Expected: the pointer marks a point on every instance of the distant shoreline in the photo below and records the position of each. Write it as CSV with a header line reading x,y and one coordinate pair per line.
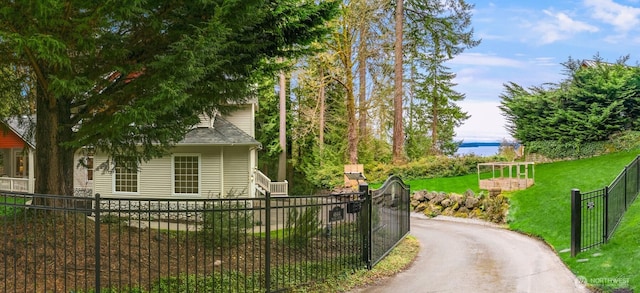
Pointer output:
x,y
479,144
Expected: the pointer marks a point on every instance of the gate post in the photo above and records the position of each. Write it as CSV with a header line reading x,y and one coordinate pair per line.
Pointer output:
x,y
365,228
267,245
576,221
97,211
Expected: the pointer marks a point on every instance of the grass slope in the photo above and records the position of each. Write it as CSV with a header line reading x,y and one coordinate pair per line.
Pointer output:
x,y
544,210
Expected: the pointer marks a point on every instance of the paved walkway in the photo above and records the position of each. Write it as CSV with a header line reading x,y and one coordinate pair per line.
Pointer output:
x,y
472,256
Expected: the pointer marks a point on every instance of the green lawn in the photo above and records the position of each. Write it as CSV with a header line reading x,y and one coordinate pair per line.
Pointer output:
x,y
545,210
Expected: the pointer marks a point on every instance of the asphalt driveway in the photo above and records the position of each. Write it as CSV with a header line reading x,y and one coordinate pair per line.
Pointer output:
x,y
469,256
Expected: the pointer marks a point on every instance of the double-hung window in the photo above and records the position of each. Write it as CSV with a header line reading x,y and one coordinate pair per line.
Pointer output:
x,y
186,174
125,176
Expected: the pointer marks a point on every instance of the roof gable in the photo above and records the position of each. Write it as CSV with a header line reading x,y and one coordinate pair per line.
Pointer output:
x,y
21,127
222,133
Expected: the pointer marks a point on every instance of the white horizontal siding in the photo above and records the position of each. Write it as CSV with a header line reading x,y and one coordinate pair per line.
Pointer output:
x,y
243,118
155,179
236,171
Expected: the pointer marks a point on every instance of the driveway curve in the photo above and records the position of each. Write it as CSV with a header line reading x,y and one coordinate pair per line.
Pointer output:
x,y
471,256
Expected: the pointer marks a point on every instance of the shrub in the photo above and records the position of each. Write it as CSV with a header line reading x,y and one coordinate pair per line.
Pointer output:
x,y
224,221
429,167
303,225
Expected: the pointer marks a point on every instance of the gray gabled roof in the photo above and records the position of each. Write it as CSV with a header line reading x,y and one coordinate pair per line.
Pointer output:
x,y
222,133
23,127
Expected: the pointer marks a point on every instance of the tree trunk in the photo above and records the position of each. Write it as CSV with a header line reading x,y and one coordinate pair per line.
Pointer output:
x,y
282,161
53,161
362,76
398,133
435,150
321,97
352,134
435,110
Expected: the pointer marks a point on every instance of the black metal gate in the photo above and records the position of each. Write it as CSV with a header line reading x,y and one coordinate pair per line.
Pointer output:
x,y
387,213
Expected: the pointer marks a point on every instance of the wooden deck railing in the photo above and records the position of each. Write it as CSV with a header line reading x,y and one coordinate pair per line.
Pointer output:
x,y
276,188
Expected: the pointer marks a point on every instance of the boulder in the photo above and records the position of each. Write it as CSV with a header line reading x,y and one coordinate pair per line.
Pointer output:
x,y
420,207
459,198
430,195
471,202
435,207
469,193
419,195
475,213
415,203
447,202
448,211
440,196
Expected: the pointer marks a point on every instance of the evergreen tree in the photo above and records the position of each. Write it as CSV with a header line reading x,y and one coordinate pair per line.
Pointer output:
x,y
130,78
436,32
596,100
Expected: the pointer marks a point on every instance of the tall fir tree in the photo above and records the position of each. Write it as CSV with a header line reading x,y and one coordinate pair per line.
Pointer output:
x,y
131,77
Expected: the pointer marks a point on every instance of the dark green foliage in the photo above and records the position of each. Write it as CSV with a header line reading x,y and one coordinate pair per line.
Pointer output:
x,y
225,223
562,150
436,31
322,166
430,167
596,101
130,78
303,225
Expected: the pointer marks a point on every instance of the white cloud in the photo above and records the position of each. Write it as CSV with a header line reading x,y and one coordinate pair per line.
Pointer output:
x,y
622,17
485,124
545,61
560,26
485,60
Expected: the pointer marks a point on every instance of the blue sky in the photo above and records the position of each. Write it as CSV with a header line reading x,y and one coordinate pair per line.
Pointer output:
x,y
525,42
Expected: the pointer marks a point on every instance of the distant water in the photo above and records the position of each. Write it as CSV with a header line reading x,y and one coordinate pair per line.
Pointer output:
x,y
483,151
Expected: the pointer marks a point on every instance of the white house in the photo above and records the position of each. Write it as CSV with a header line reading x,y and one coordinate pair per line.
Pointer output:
x,y
218,157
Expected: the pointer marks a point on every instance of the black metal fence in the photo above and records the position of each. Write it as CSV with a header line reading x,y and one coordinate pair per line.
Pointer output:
x,y
595,215
74,244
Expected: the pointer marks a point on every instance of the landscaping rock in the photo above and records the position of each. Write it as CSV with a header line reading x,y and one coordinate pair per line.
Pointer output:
x,y
415,203
469,193
459,198
419,195
440,196
430,195
446,202
435,207
471,202
421,207
476,214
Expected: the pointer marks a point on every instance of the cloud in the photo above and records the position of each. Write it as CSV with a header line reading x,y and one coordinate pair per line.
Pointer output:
x,y
486,60
560,26
623,18
545,61
485,124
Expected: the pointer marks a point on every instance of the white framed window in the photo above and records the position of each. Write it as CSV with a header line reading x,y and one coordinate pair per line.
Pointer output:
x,y
186,174
125,176
20,165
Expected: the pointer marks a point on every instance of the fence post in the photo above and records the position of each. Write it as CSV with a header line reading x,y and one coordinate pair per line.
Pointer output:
x,y
576,221
97,243
626,173
267,246
606,215
366,224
